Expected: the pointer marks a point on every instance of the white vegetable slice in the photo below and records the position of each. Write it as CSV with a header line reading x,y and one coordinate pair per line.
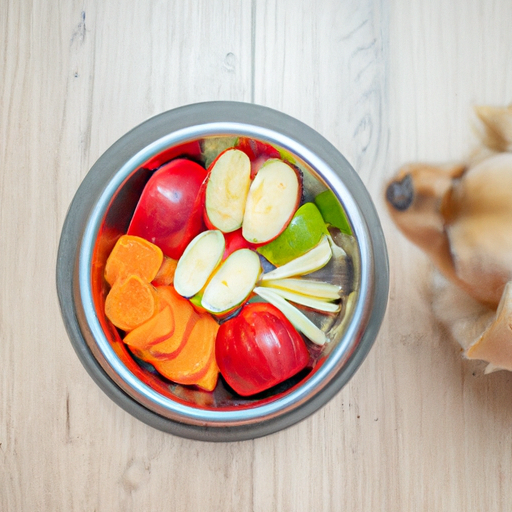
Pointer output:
x,y
300,321
272,200
233,282
197,263
318,289
337,251
310,302
227,189
313,260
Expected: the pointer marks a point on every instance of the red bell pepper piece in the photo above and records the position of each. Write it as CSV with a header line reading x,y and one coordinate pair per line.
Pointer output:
x,y
258,349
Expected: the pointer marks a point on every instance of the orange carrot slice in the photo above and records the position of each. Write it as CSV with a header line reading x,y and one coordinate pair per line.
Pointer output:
x,y
193,361
168,295
130,302
185,319
133,255
165,274
209,381
156,329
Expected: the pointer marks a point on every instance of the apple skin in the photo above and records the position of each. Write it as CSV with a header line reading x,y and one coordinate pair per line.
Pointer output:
x,y
258,349
206,219
187,150
303,232
293,210
236,241
170,210
257,151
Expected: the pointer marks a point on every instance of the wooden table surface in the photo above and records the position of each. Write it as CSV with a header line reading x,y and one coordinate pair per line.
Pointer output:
x,y
417,428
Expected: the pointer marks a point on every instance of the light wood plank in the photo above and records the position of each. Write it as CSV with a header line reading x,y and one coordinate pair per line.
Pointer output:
x,y
75,77
447,432
329,72
417,428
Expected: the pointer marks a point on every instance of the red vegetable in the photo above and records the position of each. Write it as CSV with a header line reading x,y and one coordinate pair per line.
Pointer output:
x,y
258,349
170,210
188,149
234,242
257,151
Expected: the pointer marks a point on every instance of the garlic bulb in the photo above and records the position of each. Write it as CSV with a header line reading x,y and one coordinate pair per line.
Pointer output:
x,y
461,216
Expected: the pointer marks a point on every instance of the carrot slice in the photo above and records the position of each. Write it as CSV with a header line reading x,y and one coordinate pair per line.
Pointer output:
x,y
185,317
168,295
165,274
209,381
130,302
133,255
193,361
156,329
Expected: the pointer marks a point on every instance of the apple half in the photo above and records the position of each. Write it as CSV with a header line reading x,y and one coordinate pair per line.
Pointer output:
x,y
257,151
232,283
197,263
303,232
273,198
229,179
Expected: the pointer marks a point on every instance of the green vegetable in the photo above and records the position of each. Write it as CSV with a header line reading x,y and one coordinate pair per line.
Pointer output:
x,y
332,211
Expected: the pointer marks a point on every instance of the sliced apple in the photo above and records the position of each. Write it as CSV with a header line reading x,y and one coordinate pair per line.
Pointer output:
x,y
332,211
257,151
337,251
311,287
198,262
302,234
313,260
226,191
273,198
300,321
233,282
305,300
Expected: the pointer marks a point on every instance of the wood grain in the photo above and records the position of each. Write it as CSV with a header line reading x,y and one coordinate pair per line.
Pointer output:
x,y
417,428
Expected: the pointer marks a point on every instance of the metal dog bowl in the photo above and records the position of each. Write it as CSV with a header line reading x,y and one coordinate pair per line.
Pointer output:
x,y
100,213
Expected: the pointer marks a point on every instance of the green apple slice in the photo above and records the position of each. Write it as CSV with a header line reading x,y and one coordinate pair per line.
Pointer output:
x,y
313,260
302,234
226,190
273,198
310,302
332,211
313,288
200,259
233,282
300,321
